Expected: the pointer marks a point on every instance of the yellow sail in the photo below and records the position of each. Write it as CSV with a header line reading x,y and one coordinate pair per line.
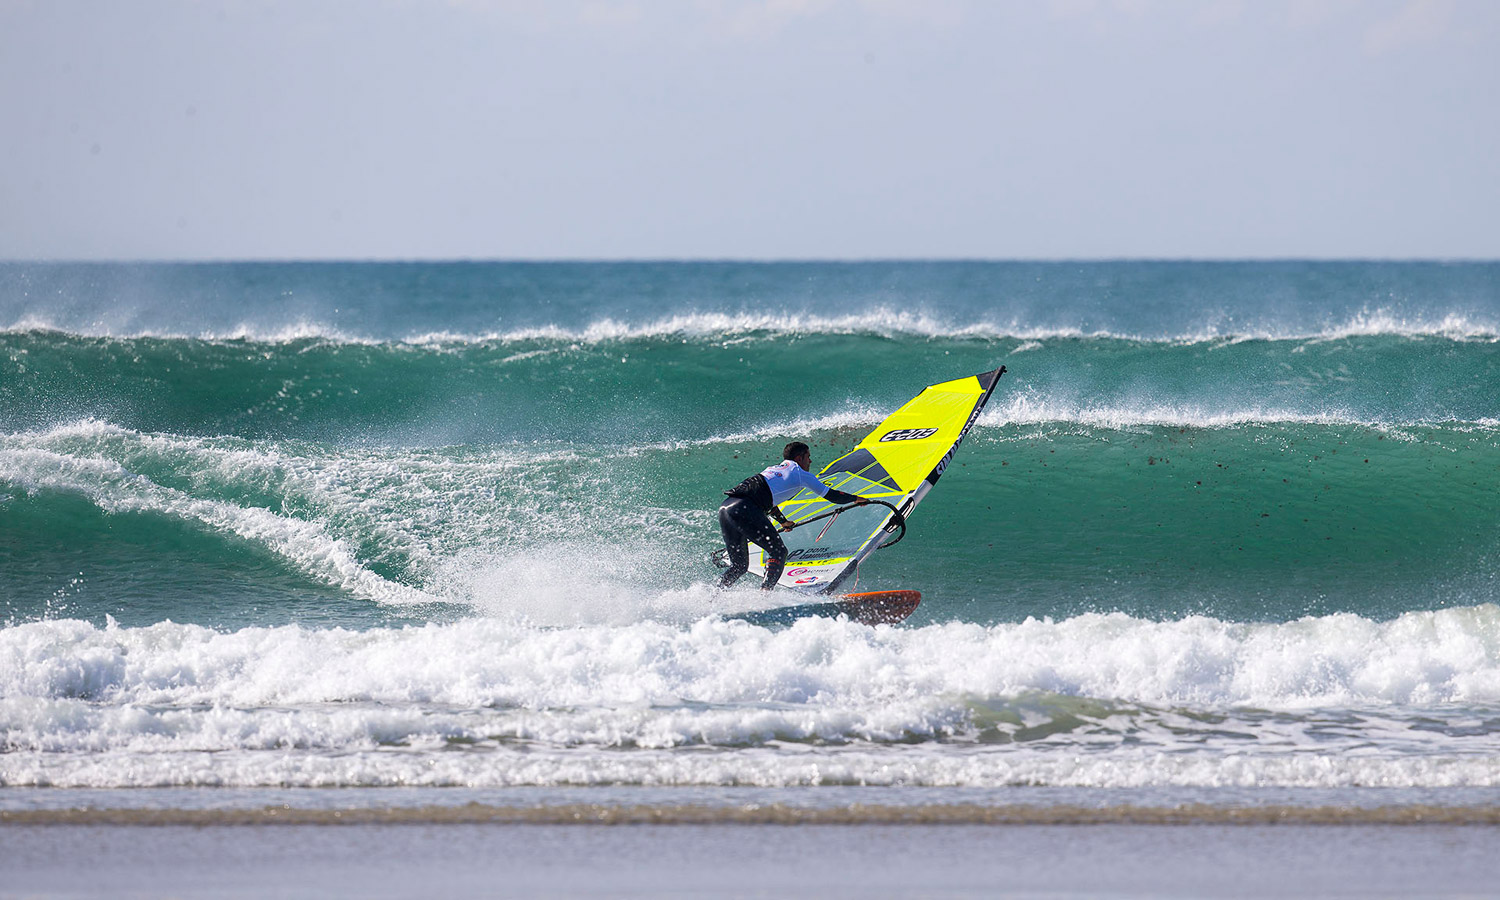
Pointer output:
x,y
898,463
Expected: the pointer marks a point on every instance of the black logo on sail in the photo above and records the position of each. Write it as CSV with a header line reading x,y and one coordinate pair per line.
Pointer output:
x,y
908,434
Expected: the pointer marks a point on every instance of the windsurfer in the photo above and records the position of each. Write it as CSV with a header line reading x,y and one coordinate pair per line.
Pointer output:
x,y
746,515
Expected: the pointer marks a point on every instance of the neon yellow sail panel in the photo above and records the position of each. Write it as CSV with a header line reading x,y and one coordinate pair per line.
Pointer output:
x,y
898,463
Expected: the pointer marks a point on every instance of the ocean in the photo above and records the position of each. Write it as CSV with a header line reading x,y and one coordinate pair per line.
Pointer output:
x,y
1226,538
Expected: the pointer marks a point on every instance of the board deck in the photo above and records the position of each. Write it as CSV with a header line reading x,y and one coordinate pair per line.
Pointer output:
x,y
869,608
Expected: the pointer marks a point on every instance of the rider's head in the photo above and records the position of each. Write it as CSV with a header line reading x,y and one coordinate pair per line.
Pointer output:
x,y
798,452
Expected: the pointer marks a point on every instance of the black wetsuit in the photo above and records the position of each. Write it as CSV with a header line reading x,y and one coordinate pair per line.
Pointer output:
x,y
744,517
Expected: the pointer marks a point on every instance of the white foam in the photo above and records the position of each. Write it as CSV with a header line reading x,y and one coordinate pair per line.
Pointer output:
x,y
282,333
1453,326
1028,407
735,327
1097,700
282,765
856,418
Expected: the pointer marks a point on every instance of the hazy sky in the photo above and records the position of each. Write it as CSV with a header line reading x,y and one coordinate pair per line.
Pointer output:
x,y
168,129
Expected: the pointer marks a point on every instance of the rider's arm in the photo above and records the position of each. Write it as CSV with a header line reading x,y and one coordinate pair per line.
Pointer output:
x,y
808,481
840,498
832,495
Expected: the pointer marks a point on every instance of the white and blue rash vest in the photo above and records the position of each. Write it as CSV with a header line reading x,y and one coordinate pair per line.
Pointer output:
x,y
777,484
786,478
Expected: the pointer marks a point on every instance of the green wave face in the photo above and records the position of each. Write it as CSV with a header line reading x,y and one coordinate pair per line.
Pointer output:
x,y
1248,442
1246,522
618,391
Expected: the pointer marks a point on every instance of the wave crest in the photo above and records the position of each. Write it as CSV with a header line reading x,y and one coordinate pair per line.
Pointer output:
x,y
879,321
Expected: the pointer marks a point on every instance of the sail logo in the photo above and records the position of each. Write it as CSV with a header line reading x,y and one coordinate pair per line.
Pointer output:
x,y
908,434
811,553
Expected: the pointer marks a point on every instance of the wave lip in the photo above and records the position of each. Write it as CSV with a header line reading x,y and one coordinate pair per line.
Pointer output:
x,y
29,463
298,331
881,321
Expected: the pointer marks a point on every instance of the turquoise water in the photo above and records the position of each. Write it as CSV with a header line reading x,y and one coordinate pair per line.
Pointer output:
x,y
449,524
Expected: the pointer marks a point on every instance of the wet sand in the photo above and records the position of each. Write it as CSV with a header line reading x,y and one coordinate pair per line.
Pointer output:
x,y
506,859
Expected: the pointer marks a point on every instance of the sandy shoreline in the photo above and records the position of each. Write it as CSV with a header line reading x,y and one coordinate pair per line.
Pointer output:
x,y
828,843
747,860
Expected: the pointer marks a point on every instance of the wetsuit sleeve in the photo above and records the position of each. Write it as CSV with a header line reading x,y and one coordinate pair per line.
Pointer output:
x,y
840,498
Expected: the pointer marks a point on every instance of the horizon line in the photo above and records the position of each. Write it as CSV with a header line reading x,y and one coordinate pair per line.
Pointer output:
x,y
725,260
